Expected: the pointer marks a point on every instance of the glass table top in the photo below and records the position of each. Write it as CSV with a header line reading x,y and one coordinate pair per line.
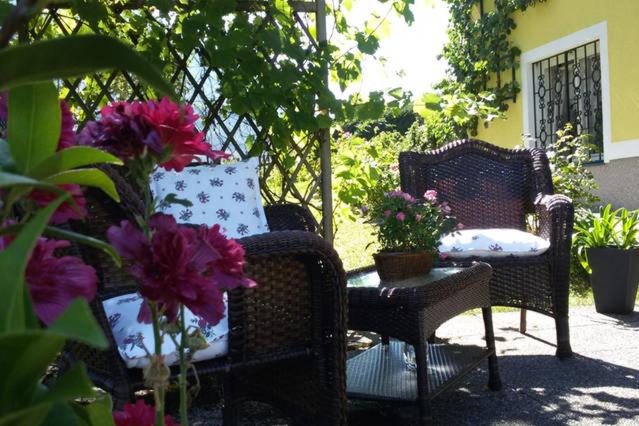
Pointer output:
x,y
370,279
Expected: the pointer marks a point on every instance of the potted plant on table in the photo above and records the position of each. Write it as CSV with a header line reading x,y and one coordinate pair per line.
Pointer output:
x,y
608,249
409,231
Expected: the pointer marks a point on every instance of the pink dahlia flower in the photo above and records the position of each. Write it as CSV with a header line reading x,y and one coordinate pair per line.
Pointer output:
x,y
162,129
460,226
387,213
139,414
54,282
181,264
177,131
430,195
66,211
400,216
418,217
445,208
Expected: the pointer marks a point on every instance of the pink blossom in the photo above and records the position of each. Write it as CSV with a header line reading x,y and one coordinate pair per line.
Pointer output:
x,y
400,216
162,129
418,217
66,211
176,128
395,193
54,282
408,198
394,167
67,134
139,414
445,207
443,256
430,195
181,265
460,226
387,213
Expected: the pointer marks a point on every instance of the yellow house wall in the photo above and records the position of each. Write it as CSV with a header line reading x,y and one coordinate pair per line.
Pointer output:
x,y
555,19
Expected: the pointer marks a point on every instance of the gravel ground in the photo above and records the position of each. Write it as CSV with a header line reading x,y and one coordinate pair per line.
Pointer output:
x,y
600,385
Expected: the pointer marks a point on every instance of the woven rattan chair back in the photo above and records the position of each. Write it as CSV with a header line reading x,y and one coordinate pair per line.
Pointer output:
x,y
485,186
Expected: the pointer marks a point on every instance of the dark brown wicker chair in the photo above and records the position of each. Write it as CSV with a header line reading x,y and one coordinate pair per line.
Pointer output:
x,y
287,339
491,187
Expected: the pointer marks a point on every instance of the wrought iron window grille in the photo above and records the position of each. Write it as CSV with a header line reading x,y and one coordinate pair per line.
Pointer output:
x,y
567,89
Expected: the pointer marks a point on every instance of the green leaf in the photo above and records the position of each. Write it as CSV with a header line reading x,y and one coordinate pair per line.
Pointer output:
x,y
74,383
6,160
5,10
32,415
77,323
25,358
97,413
13,263
34,124
87,177
63,234
75,56
71,158
173,199
91,11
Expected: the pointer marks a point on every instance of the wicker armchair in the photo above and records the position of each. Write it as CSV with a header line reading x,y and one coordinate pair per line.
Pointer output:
x,y
287,339
491,187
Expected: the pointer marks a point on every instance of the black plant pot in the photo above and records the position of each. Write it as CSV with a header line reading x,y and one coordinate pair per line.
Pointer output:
x,y
615,274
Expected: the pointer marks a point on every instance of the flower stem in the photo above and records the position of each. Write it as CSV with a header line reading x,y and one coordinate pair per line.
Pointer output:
x,y
158,390
184,420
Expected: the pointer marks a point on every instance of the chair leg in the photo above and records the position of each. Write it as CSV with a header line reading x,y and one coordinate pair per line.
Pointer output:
x,y
522,321
494,379
564,350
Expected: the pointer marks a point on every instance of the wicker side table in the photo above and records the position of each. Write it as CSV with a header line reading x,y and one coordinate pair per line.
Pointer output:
x,y
411,311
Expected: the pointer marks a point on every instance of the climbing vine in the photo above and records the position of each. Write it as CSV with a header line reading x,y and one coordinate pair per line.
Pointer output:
x,y
480,54
265,63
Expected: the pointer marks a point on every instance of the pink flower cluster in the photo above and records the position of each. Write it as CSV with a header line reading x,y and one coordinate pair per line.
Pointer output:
x,y
396,193
139,414
181,264
54,282
161,129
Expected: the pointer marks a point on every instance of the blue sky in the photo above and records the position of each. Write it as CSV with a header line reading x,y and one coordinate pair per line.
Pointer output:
x,y
410,52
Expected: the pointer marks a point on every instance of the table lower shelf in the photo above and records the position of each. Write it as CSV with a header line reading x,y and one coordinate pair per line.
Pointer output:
x,y
381,373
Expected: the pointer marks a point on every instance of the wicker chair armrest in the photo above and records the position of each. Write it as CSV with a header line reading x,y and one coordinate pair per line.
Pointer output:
x,y
556,215
290,217
299,300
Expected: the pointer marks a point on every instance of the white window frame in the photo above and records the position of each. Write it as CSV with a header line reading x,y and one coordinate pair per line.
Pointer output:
x,y
596,32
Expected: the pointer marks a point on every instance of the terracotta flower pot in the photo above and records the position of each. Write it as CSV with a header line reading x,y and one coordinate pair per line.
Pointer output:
x,y
397,266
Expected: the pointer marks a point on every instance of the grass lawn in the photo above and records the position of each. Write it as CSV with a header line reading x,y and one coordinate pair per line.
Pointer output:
x,y
356,244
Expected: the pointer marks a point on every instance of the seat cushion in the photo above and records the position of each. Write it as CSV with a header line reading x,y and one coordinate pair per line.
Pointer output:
x,y
133,337
494,242
228,194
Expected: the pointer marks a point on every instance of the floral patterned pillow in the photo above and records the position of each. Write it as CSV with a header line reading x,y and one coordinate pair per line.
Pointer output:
x,y
495,242
228,194
134,339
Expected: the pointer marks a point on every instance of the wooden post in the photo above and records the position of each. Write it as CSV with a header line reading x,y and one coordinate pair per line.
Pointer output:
x,y
325,137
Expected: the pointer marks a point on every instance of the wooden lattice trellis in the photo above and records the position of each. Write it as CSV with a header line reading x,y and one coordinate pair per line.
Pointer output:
x,y
298,173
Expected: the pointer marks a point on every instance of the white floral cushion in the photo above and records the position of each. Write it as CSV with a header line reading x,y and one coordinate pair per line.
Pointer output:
x,y
228,194
134,339
495,242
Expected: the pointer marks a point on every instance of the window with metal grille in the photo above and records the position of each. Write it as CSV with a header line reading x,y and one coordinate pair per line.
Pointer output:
x,y
567,88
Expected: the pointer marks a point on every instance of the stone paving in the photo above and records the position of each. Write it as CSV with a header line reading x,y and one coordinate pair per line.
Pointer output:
x,y
600,385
